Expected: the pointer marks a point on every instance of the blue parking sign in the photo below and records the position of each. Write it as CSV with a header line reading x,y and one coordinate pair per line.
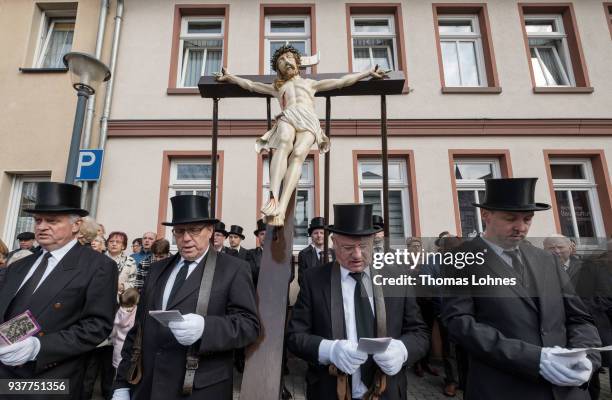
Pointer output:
x,y
89,166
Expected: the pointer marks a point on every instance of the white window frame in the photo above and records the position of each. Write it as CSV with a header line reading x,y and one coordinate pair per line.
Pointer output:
x,y
401,184
269,36
183,58
587,184
473,37
47,23
176,185
12,213
562,57
475,185
382,35
306,182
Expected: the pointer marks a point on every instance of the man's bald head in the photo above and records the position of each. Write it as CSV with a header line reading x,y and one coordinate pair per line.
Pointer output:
x,y
559,245
147,240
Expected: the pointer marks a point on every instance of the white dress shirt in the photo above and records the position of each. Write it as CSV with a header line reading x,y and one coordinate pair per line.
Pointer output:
x,y
500,251
173,274
349,284
56,257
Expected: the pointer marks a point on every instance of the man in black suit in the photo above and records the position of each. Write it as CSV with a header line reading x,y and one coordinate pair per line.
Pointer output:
x,y
26,242
69,289
312,255
254,255
235,238
189,359
219,236
510,330
332,312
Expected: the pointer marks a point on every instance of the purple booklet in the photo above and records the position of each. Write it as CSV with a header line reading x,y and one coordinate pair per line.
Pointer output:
x,y
18,328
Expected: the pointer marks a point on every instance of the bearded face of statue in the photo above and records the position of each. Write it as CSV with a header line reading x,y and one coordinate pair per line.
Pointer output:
x,y
286,65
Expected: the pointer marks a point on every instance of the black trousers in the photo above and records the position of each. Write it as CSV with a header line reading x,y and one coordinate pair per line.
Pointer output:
x,y
100,364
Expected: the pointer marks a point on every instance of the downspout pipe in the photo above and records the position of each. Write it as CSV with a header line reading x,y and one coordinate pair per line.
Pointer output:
x,y
108,98
91,103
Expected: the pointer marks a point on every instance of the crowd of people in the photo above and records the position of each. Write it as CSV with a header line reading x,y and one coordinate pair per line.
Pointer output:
x,y
477,338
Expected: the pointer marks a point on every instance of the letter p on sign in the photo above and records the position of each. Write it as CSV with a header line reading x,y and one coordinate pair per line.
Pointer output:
x,y
89,167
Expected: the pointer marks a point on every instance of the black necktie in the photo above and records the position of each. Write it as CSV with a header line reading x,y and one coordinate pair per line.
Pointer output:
x,y
364,318
22,298
319,257
517,264
179,280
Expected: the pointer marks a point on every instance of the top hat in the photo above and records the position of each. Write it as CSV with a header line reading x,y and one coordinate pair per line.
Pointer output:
x,y
511,194
261,226
316,223
442,235
378,221
25,236
353,220
57,198
236,230
220,227
189,208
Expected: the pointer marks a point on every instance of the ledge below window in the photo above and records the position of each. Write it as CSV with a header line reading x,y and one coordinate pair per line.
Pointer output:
x,y
179,91
577,90
472,90
42,70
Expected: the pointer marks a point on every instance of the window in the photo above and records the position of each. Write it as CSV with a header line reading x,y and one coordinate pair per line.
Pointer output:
x,y
374,42
291,30
188,176
470,175
370,191
549,51
305,200
576,197
200,48
23,195
462,51
56,35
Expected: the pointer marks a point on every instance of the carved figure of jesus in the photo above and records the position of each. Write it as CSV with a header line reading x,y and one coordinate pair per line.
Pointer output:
x,y
296,128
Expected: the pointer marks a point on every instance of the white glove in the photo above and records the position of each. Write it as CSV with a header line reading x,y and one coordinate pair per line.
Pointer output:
x,y
188,331
20,353
345,356
392,359
121,394
559,370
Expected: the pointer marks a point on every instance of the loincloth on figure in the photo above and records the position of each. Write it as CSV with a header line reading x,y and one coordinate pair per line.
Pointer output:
x,y
302,118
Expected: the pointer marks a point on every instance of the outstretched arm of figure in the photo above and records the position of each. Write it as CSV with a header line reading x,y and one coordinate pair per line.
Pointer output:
x,y
348,80
246,84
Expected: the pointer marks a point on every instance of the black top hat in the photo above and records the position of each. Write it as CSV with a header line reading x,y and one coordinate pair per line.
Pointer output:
x,y
189,208
261,226
25,236
236,230
316,223
511,194
220,227
378,221
353,220
442,235
57,198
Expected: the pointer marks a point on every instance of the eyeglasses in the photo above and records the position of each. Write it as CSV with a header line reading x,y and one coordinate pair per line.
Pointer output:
x,y
193,231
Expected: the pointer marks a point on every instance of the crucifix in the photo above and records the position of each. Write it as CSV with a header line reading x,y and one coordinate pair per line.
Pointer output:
x,y
296,129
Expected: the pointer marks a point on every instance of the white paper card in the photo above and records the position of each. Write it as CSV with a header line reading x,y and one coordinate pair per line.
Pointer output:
x,y
373,345
165,317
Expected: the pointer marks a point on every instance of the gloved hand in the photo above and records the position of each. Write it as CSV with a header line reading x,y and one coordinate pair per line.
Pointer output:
x,y
121,394
188,331
21,352
392,359
345,357
559,370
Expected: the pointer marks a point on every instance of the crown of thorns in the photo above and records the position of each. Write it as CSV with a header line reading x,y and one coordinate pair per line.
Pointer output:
x,y
282,50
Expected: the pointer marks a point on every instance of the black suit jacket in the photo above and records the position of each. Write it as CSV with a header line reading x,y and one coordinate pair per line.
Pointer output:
x,y
504,328
311,322
75,307
242,254
231,323
254,260
307,258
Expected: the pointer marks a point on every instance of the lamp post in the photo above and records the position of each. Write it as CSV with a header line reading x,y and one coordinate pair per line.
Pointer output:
x,y
86,74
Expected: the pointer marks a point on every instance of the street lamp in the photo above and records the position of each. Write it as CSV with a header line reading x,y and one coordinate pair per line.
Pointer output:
x,y
86,74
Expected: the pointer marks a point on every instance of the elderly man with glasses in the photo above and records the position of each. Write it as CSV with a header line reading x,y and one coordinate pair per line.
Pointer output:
x,y
191,358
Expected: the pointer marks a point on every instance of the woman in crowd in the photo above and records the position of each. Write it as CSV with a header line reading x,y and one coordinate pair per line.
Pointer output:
x,y
99,244
88,231
117,243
